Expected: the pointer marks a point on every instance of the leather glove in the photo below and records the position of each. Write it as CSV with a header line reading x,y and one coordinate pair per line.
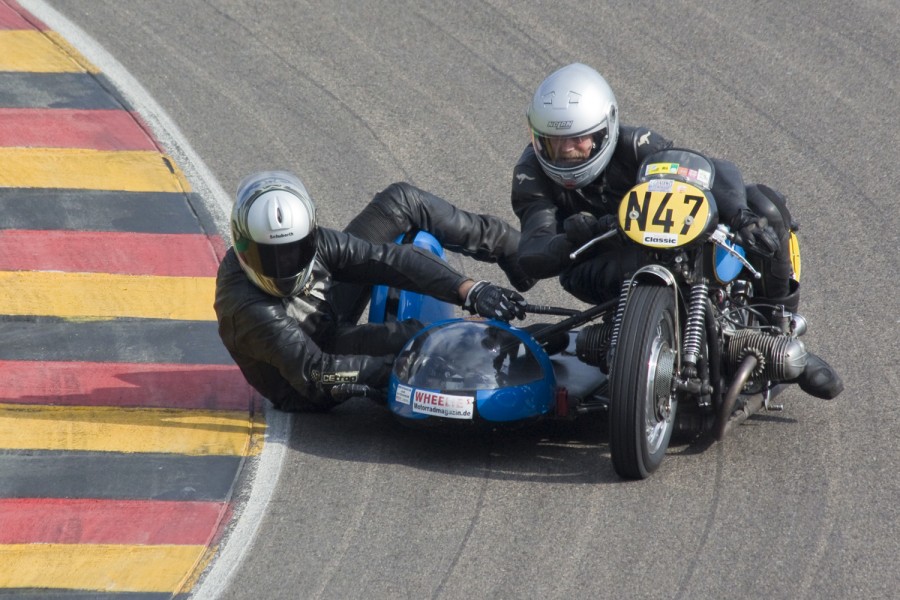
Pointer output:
x,y
494,302
754,233
342,392
582,227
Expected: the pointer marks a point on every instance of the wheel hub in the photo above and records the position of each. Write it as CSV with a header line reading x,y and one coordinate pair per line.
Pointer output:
x,y
662,389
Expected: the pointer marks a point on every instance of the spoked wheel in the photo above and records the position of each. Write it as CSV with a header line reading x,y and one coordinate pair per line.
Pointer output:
x,y
642,403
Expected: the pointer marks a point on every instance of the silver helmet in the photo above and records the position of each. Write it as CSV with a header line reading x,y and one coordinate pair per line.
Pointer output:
x,y
273,229
574,120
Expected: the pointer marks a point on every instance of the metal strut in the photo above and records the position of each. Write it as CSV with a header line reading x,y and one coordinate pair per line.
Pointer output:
x,y
695,326
617,318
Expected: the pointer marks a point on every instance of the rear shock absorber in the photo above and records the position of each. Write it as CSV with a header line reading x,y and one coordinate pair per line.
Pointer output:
x,y
695,326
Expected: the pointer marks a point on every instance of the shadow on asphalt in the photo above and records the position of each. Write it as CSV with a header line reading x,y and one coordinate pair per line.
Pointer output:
x,y
557,451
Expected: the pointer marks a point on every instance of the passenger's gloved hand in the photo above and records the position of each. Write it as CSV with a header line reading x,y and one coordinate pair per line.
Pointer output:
x,y
582,227
754,233
494,302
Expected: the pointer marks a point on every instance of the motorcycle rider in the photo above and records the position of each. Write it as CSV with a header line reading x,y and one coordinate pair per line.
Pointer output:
x,y
568,182
289,291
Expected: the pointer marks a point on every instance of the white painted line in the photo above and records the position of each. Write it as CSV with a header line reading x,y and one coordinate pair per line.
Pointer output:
x,y
261,474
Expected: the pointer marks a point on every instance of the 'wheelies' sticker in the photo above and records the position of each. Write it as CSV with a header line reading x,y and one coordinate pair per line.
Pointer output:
x,y
443,405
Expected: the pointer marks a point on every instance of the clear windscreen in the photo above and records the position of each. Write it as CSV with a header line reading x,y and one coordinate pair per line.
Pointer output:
x,y
466,355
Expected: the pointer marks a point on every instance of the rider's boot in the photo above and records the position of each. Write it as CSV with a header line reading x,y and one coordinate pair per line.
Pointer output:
x,y
818,379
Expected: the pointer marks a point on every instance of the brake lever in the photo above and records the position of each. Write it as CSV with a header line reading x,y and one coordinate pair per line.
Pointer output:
x,y
719,237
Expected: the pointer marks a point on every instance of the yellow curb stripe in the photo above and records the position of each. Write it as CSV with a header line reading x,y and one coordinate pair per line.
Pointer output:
x,y
98,567
40,52
130,171
106,296
129,430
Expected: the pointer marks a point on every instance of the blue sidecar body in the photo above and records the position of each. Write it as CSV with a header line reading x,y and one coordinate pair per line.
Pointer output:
x,y
475,370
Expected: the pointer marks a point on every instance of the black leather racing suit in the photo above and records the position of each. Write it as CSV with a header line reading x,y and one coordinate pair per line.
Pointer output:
x,y
594,277
292,350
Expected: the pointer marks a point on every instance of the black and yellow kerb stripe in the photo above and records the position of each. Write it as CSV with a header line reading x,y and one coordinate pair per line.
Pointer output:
x,y
123,422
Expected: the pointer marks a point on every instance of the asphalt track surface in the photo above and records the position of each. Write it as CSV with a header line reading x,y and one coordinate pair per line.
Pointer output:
x,y
352,96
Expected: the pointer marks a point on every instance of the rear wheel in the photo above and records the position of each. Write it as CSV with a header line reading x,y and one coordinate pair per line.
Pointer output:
x,y
642,403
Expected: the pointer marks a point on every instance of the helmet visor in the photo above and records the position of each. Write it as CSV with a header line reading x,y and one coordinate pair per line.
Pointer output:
x,y
569,152
279,261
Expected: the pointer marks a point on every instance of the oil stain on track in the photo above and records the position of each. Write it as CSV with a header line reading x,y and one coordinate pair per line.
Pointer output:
x,y
124,424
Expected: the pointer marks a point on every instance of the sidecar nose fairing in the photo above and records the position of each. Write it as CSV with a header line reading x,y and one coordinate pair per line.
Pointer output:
x,y
478,371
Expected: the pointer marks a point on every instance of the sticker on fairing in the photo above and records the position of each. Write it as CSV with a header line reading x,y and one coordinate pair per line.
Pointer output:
x,y
661,185
692,175
661,168
404,393
660,239
437,404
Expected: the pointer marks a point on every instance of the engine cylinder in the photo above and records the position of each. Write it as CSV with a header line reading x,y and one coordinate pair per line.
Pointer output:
x,y
783,357
592,344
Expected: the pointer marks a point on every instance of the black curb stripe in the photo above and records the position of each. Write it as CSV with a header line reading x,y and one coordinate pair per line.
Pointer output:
x,y
116,476
58,90
95,210
118,340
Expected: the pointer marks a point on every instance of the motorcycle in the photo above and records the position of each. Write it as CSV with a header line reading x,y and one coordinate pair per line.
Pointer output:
x,y
684,348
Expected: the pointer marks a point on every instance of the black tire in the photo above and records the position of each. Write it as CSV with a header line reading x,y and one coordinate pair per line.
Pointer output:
x,y
642,405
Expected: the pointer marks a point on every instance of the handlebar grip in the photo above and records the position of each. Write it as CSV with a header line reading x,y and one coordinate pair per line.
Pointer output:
x,y
542,309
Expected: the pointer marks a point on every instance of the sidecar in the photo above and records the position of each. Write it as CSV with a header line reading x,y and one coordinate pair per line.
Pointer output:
x,y
476,371
489,373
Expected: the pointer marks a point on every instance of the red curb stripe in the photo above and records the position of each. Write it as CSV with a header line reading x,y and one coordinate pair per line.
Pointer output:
x,y
144,385
72,128
120,253
12,17
96,521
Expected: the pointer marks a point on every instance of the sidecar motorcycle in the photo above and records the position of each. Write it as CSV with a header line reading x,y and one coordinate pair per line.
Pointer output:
x,y
685,347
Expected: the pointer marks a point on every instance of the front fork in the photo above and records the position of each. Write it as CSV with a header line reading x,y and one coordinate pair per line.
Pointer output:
x,y
691,366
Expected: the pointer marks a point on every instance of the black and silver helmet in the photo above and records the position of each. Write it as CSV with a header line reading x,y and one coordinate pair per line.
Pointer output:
x,y
273,229
574,106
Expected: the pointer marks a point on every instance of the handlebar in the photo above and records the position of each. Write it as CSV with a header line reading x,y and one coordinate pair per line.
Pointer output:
x,y
576,320
542,309
590,243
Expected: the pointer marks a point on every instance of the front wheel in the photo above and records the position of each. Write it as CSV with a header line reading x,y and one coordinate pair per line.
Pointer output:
x,y
642,402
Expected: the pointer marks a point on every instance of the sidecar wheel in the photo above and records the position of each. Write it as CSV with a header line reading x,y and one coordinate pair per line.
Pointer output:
x,y
642,403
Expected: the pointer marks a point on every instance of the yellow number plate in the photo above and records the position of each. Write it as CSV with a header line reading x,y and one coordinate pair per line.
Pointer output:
x,y
664,213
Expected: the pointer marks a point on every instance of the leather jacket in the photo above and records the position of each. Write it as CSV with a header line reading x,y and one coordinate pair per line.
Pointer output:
x,y
542,205
282,345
